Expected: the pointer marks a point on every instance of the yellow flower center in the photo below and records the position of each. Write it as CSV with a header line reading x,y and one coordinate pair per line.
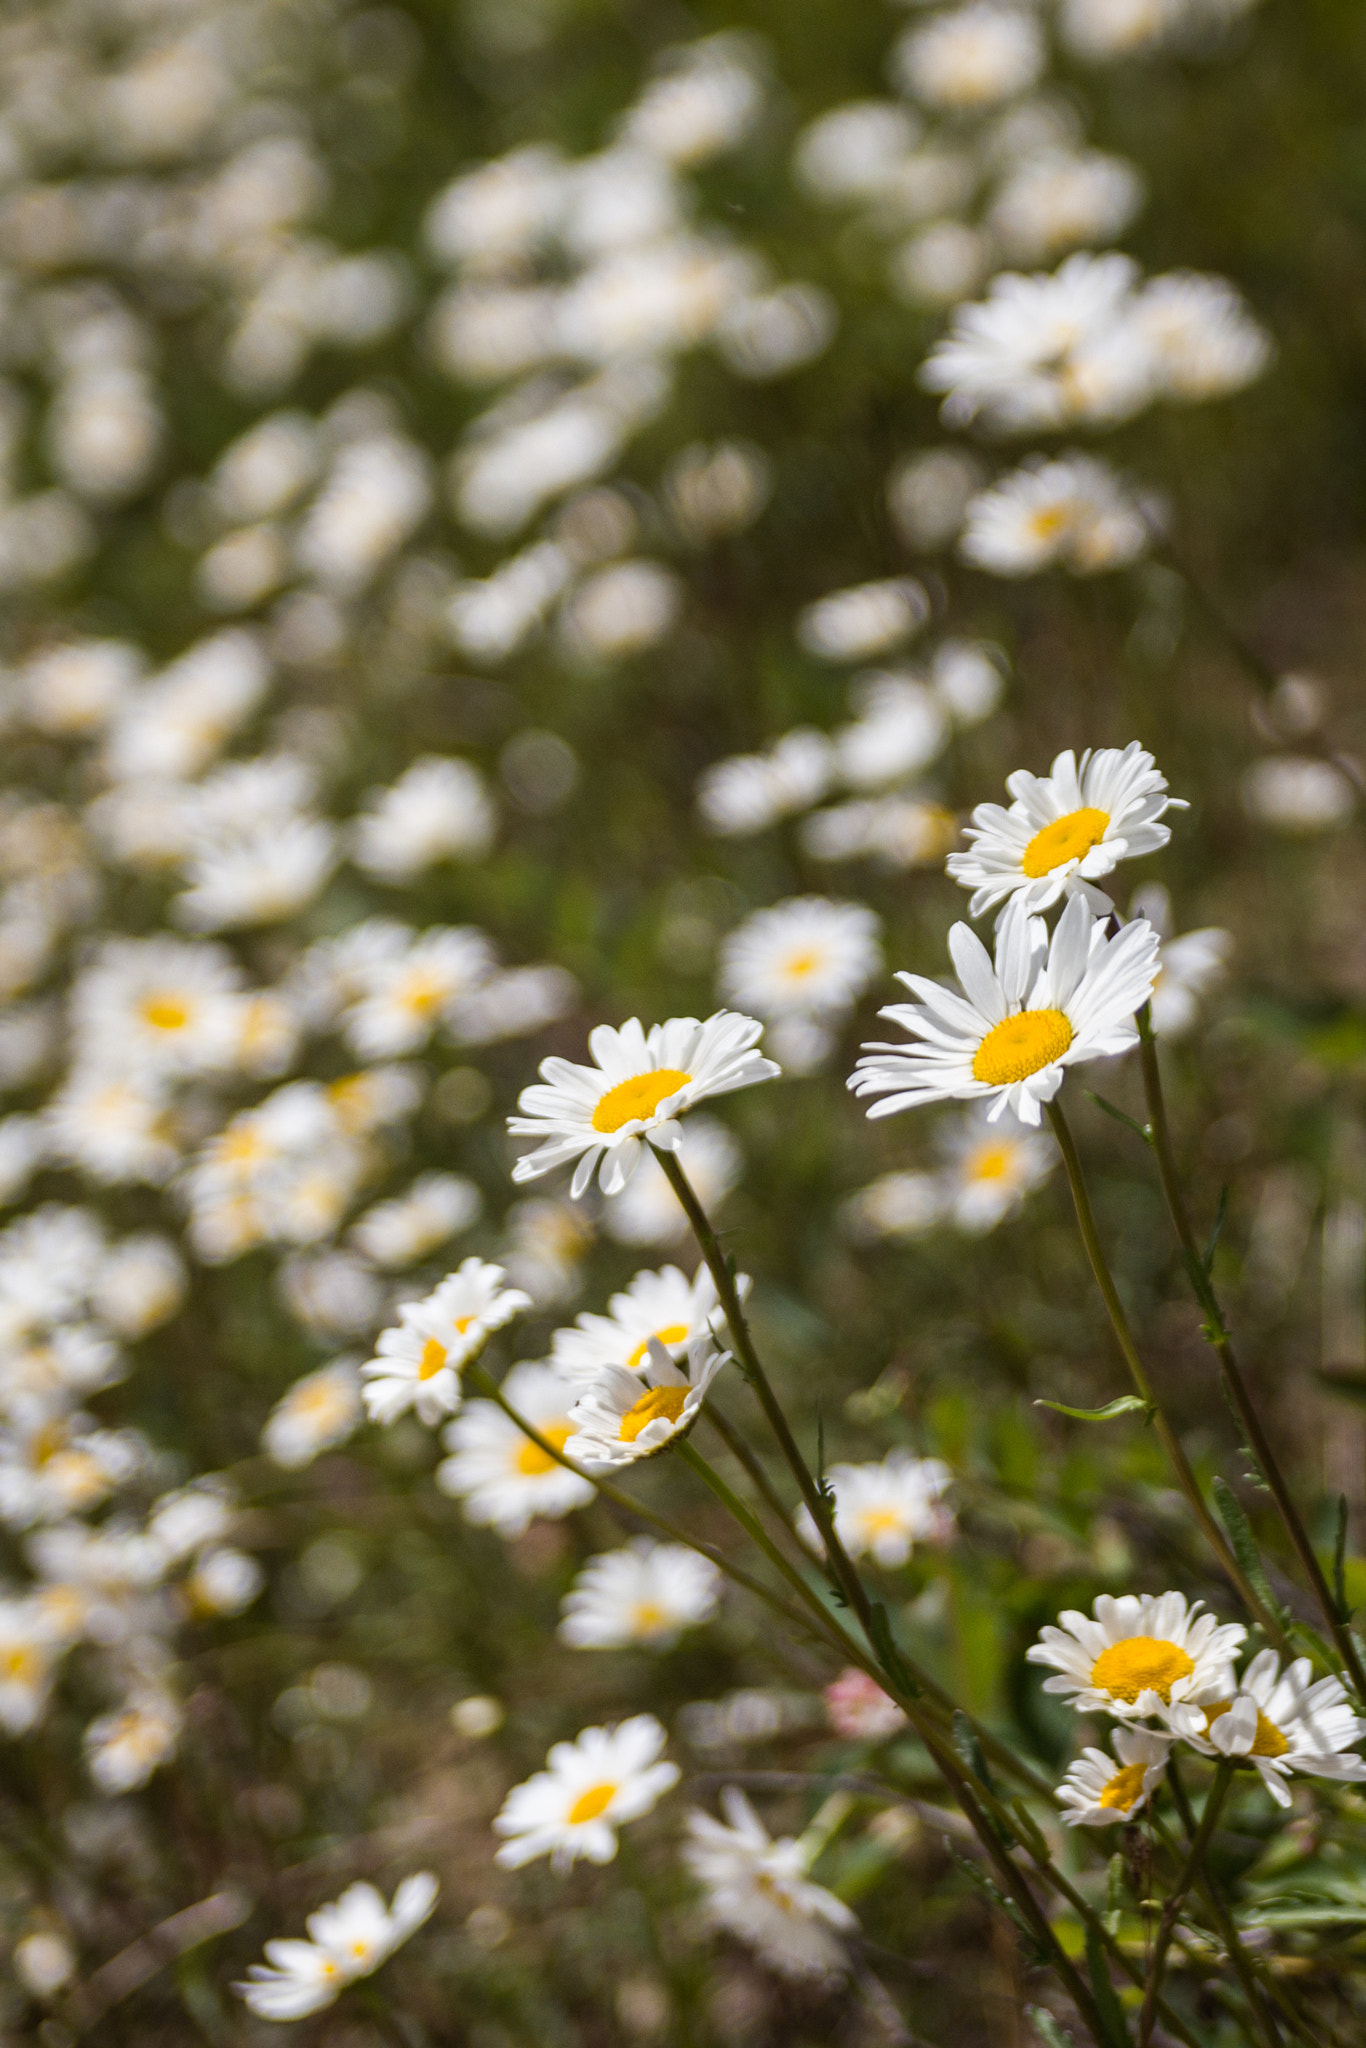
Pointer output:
x,y
165,1013
665,1401
320,1401
1018,1046
672,1333
423,994
1065,839
880,1521
1124,1788
1142,1664
19,1664
649,1617
638,1097
432,1359
1268,1740
532,1461
989,1162
591,1803
799,965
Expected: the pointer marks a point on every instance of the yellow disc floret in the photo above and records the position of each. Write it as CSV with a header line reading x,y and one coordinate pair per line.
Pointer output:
x,y
432,1359
1142,1664
1268,1740
532,1461
665,1401
1068,838
165,1012
591,1803
672,1333
1019,1046
1124,1788
637,1098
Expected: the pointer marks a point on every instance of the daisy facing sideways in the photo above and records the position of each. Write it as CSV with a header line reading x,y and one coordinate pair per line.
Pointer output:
x,y
758,1890
348,1939
590,1787
625,1415
642,1083
1138,1656
1065,830
502,1477
418,1365
645,1593
883,1510
1279,1724
1046,1004
666,1305
1095,1794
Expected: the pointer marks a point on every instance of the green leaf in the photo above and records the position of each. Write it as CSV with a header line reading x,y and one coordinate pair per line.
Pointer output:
x,y
1245,1546
1340,1563
1127,1404
1030,1831
1143,1131
1047,2028
890,1657
1111,2012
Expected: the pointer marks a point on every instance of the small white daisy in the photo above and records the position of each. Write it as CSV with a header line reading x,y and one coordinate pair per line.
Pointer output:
x,y
808,956
992,1167
1141,1655
1046,1004
972,56
413,984
1072,513
1065,830
666,1306
349,1939
883,1510
758,1890
625,1415
418,1365
399,1232
1190,965
592,1786
1280,1724
641,1085
438,810
1096,1795
502,1477
646,1593
123,1749
320,1411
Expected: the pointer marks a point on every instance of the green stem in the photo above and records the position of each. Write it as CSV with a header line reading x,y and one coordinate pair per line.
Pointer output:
x,y
1234,1384
1171,1912
749,1462
1171,1442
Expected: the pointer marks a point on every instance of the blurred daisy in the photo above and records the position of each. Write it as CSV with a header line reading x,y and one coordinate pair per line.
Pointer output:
x,y
860,1709
411,983
29,1650
646,1593
625,1415
418,1365
1073,513
157,1006
883,1510
504,1479
853,625
1044,1006
804,961
1065,830
1189,966
1141,1655
1202,340
400,1232
1058,200
1280,1724
749,792
665,1306
647,1209
972,56
437,810
992,1167
348,1939
638,1089
592,1786
320,1411
123,1749
758,1890
1096,1795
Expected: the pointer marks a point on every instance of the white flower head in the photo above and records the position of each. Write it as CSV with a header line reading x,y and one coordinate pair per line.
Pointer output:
x,y
758,1890
1096,1795
503,1479
1065,830
438,810
418,1365
626,1415
350,1938
665,1306
124,1748
972,56
590,1788
646,1593
642,1083
319,1411
1074,513
1046,1004
882,1510
1138,1656
992,1167
808,956
1278,1723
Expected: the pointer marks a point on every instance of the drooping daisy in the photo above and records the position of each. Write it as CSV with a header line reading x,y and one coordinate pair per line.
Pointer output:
x,y
590,1788
645,1593
638,1089
992,1167
1280,1724
1096,1795
666,1305
418,1365
1044,1006
1065,830
319,1411
883,1510
809,956
758,1890
625,1415
1141,1655
502,1477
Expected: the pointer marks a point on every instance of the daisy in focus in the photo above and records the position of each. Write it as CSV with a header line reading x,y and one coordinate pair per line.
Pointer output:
x,y
1065,830
348,1939
665,1306
801,965
758,1890
1279,1724
503,1479
645,1593
883,1510
625,1416
642,1083
589,1789
418,1365
1138,1656
1045,1005
1096,1795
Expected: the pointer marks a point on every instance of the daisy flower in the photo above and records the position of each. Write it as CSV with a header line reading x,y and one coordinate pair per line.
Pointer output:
x,y
666,1306
1065,830
647,1209
320,1410
160,1006
349,1939
1073,513
992,1167
1190,966
590,1788
1046,1004
400,1232
884,1509
972,57
502,1477
418,1365
642,1083
1279,1724
1095,1795
1141,1655
646,1593
758,1890
625,1415
808,956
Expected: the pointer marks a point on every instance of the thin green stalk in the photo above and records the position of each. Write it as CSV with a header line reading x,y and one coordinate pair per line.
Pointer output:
x,y
750,1463
1171,1442
1235,1385
1190,1870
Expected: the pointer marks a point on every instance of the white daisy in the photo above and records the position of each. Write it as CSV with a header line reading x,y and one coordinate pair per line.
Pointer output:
x,y
1279,1723
639,1088
438,810
418,1365
665,1306
295,1980
625,1415
883,1510
1056,201
646,1593
647,1209
157,1006
1065,830
808,956
349,1939
992,1167
400,1232
124,1748
1096,1795
1073,513
1200,335
758,1890
1141,1655
502,1477
1046,1005
592,1786
30,1647
972,56
1190,965
414,985
320,1410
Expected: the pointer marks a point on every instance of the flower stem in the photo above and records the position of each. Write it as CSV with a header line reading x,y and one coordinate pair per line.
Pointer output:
x,y
1171,1442
1256,1990
1190,1870
745,1457
1234,1384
